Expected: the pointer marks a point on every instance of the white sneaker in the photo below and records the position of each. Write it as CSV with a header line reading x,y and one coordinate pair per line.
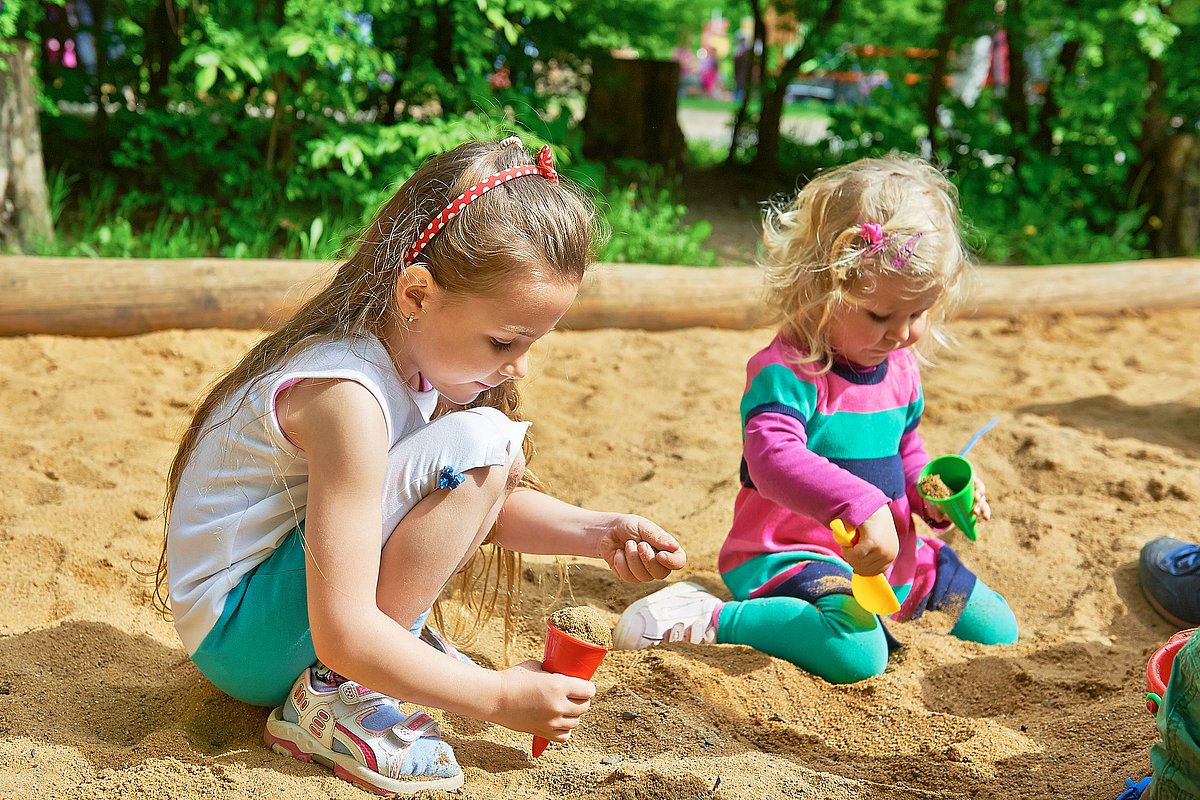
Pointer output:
x,y
682,612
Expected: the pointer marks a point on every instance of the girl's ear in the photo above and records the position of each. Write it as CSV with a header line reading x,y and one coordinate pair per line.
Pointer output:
x,y
415,287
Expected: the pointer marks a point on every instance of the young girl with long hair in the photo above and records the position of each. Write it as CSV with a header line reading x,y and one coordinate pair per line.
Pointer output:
x,y
334,481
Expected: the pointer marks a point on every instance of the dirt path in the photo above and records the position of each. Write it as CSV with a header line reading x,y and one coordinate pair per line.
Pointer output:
x,y
716,126
732,201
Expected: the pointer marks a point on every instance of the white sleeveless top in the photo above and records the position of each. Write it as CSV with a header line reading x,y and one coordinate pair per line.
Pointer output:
x,y
245,486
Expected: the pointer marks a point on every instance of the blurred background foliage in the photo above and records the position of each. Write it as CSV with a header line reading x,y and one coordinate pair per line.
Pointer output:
x,y
256,128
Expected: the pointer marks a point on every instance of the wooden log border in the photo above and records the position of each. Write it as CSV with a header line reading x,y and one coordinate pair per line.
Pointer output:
x,y
121,297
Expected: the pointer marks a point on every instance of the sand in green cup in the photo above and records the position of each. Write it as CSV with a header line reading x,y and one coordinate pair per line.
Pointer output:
x,y
959,476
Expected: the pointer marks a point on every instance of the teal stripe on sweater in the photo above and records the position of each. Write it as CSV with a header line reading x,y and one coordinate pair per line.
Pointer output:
x,y
745,578
778,384
854,435
916,409
844,435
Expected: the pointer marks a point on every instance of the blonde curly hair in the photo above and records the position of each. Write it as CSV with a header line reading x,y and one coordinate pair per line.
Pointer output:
x,y
819,257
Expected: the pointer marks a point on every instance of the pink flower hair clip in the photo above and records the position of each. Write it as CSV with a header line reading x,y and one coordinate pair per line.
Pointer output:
x,y
872,233
878,241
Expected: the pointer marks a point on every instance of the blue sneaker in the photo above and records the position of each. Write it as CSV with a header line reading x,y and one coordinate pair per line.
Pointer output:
x,y
1133,789
1169,572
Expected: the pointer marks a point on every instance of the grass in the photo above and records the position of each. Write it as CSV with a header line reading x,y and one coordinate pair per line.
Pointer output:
x,y
805,110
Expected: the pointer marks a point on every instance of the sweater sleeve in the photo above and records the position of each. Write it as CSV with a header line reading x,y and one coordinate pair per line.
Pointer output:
x,y
914,458
787,473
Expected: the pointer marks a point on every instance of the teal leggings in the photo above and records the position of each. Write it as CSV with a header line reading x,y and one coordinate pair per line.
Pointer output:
x,y
835,638
1176,758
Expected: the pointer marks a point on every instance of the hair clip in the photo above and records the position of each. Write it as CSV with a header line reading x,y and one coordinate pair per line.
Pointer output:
x,y
872,233
902,256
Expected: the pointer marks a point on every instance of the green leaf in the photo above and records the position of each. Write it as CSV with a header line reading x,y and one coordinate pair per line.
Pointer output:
x,y
248,66
298,45
208,58
205,79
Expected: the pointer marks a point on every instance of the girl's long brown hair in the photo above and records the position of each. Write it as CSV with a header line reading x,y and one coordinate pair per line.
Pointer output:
x,y
529,227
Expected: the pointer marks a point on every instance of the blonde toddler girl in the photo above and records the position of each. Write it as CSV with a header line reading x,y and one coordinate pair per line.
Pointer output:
x,y
863,265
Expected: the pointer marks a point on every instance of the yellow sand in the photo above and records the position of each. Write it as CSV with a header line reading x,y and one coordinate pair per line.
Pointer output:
x,y
1097,451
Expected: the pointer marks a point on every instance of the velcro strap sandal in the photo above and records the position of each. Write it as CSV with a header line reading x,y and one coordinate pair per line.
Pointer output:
x,y
364,737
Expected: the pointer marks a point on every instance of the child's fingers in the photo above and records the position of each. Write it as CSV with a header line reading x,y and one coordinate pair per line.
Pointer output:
x,y
637,554
653,561
620,567
671,560
983,510
637,561
656,537
631,568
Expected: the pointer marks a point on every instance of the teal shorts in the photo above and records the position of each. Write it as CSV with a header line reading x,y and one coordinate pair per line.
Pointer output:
x,y
262,641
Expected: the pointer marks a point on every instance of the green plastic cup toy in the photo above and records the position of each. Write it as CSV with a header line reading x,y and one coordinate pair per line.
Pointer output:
x,y
959,476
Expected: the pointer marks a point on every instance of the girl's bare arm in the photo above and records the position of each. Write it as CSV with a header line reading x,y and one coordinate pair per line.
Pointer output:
x,y
636,548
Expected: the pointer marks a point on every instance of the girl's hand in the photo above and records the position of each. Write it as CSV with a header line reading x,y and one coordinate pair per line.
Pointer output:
x,y
638,550
542,703
983,511
877,545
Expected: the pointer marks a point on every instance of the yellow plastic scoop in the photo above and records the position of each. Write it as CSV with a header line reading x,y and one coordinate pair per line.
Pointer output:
x,y
872,592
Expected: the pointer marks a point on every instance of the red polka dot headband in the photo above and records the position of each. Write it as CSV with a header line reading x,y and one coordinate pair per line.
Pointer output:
x,y
543,167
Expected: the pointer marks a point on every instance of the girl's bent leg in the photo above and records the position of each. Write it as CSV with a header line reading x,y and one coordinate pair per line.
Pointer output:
x,y
833,637
986,618
447,483
262,640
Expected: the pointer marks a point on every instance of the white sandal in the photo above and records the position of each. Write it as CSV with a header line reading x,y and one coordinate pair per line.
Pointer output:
x,y
364,737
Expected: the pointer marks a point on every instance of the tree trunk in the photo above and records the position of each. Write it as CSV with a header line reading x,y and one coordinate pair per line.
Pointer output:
x,y
632,111
952,12
1068,57
444,57
163,47
24,200
1173,195
100,38
766,156
1015,106
754,81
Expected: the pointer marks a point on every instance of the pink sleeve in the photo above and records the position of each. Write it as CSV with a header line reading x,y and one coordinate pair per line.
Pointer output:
x,y
787,473
914,458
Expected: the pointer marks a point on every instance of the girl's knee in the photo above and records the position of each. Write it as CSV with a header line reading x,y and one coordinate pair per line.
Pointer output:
x,y
483,443
986,618
854,658
498,480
